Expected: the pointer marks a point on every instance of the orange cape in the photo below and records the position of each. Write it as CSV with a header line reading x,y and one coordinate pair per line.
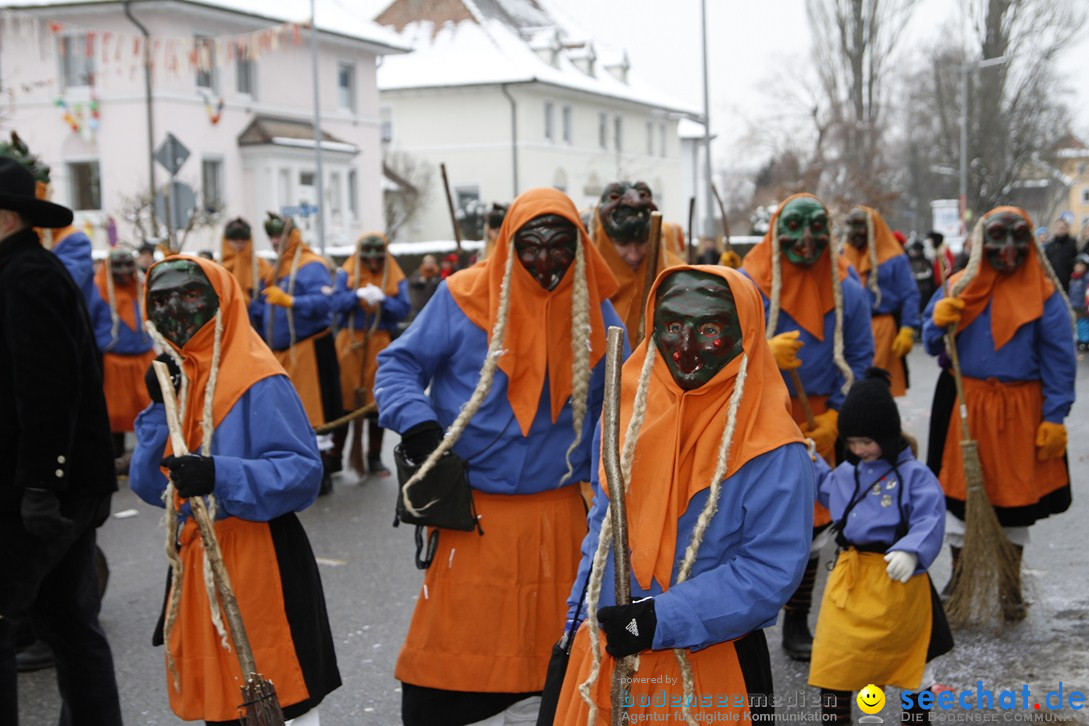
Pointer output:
x,y
538,338
628,300
123,295
884,243
677,451
245,359
283,262
240,264
806,293
1016,298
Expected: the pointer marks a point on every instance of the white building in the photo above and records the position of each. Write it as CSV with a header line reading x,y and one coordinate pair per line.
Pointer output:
x,y
510,100
231,79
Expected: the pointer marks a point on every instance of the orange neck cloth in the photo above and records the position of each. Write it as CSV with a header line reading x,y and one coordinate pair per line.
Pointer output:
x,y
240,264
123,295
677,450
286,258
538,338
806,292
244,357
628,299
883,243
1016,298
388,279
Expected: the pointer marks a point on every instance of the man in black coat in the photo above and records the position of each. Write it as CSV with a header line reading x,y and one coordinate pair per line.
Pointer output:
x,y
56,464
1061,251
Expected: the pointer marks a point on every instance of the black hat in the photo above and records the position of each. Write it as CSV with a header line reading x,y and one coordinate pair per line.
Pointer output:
x,y
870,411
237,229
17,194
938,237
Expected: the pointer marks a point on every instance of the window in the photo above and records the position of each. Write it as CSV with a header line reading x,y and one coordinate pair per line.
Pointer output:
x,y
385,116
246,76
346,86
206,63
333,194
650,139
283,188
353,193
85,187
548,121
77,66
618,129
211,176
1085,196
466,196
567,124
602,131
662,140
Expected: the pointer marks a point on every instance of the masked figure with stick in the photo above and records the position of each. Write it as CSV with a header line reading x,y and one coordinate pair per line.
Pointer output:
x,y
818,327
720,504
236,253
371,298
125,345
894,296
512,351
620,230
1016,352
258,464
295,314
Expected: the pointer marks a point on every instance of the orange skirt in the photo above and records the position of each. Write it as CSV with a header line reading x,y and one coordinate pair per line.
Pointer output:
x,y
818,404
656,691
1003,419
884,332
493,605
356,374
301,364
123,385
209,678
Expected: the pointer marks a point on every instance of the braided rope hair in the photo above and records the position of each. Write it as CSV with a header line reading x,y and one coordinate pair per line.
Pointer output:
x,y
111,299
871,279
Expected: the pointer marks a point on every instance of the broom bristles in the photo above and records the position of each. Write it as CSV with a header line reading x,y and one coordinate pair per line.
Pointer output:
x,y
260,706
988,560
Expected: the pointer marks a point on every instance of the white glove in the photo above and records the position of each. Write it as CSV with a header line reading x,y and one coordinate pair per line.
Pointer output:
x,y
371,294
901,565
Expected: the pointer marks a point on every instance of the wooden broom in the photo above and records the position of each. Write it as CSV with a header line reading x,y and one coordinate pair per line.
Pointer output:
x,y
988,559
260,707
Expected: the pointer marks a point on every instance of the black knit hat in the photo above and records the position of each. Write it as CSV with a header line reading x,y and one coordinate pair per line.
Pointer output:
x,y
869,411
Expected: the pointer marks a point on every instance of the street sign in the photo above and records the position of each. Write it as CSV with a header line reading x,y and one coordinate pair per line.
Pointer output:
x,y
182,203
302,210
171,154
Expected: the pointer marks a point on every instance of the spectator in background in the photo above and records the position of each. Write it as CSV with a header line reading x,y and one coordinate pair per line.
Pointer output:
x,y
493,220
1077,298
145,257
1041,235
422,284
709,252
936,240
206,254
449,265
1061,250
923,272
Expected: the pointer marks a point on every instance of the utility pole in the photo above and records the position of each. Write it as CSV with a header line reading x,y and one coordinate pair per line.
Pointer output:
x,y
320,180
709,215
965,70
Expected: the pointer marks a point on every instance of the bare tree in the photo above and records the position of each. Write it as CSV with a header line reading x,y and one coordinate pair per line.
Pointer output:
x,y
137,211
412,179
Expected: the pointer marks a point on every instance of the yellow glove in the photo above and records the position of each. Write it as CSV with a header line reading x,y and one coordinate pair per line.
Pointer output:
x,y
785,347
903,342
1050,440
730,259
826,431
276,296
947,311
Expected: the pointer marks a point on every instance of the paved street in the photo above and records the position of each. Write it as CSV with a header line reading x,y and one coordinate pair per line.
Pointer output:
x,y
371,585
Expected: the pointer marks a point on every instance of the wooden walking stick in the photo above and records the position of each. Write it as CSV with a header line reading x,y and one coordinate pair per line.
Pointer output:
x,y
988,559
259,702
654,240
610,455
726,246
802,398
450,207
691,240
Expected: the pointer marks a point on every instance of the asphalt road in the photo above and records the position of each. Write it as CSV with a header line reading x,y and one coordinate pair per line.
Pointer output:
x,y
371,586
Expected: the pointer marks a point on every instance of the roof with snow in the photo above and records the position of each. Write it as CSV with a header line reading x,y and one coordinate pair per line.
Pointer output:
x,y
333,18
489,42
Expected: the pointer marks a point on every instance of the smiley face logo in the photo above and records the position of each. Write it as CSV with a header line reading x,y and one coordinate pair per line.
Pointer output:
x,y
871,699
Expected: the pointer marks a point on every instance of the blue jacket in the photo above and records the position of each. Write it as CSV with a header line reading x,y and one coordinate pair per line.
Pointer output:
x,y
899,292
1076,291
347,307
312,309
443,349
751,560
1042,350
266,456
819,372
75,252
129,341
916,496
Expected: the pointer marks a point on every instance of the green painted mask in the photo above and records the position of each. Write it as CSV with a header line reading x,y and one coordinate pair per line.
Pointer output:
x,y
373,253
858,236
180,300
696,327
1006,240
803,231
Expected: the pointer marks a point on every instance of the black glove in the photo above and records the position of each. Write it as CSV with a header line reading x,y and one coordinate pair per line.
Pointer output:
x,y
193,475
152,381
41,515
420,440
629,629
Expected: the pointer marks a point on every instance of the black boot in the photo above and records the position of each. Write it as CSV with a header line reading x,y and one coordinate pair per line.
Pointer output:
x,y
1014,608
34,657
326,477
334,457
954,571
375,466
797,640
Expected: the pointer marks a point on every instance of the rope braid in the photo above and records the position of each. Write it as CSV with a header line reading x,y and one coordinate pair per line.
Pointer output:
x,y
206,450
704,521
975,259
580,354
254,279
837,338
776,281
476,400
111,298
871,279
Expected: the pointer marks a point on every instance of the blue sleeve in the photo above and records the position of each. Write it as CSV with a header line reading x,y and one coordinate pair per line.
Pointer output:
x,y
748,589
858,345
824,479
145,476
101,322
343,299
310,301
907,291
395,308
1058,361
407,365
933,336
75,252
593,520
925,510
